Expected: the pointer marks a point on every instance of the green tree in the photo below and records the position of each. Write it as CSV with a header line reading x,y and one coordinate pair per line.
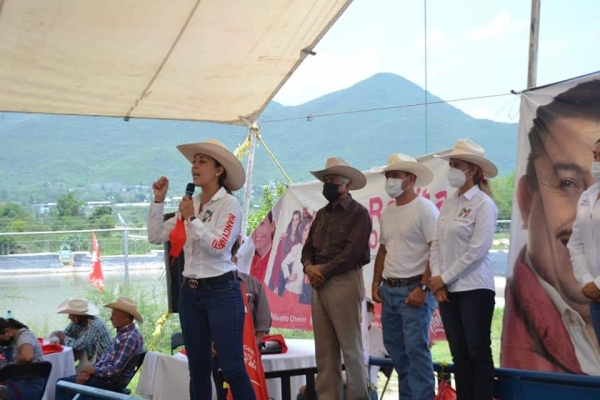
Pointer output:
x,y
68,205
13,218
104,222
265,204
99,213
10,212
504,188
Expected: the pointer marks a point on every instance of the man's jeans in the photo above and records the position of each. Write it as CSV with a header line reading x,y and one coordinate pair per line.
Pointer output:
x,y
216,314
467,321
406,338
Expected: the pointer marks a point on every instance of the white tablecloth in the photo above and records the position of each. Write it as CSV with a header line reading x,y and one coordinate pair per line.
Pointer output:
x,y
166,377
63,364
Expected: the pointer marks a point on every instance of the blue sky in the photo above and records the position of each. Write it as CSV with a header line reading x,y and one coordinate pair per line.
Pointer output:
x,y
475,48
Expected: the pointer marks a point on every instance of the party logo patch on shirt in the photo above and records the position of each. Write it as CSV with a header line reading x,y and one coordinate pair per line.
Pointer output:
x,y
207,216
464,213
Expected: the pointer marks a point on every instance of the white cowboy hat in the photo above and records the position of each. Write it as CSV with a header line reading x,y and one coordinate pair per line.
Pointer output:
x,y
402,162
127,305
236,176
468,150
78,306
337,166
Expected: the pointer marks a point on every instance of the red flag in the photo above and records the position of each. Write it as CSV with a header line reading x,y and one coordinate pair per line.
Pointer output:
x,y
177,237
96,277
254,366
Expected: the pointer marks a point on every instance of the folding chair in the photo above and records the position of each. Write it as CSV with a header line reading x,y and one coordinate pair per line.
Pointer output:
x,y
134,363
387,371
14,371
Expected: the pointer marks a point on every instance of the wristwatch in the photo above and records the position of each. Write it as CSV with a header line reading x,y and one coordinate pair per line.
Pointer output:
x,y
191,218
423,287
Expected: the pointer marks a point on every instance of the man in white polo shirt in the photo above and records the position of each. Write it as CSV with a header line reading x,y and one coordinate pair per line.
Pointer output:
x,y
401,275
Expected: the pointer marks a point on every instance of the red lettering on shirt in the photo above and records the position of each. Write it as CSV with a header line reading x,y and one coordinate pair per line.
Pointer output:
x,y
219,244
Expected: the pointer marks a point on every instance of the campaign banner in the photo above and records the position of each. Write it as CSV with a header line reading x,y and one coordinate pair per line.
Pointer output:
x,y
272,252
547,324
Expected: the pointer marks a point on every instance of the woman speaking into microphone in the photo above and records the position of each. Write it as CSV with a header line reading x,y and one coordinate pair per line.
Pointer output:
x,y
211,308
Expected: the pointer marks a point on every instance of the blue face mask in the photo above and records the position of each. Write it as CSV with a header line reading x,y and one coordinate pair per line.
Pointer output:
x,y
331,191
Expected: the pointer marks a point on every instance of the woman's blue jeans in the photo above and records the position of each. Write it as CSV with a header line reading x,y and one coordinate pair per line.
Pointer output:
x,y
214,313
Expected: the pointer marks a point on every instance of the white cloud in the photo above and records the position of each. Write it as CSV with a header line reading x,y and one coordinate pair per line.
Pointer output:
x,y
326,73
435,37
492,29
480,113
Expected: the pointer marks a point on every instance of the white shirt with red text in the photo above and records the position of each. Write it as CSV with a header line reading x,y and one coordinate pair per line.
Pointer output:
x,y
210,236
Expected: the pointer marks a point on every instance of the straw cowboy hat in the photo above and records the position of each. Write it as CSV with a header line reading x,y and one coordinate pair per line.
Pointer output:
x,y
468,150
402,162
78,306
236,176
337,166
127,305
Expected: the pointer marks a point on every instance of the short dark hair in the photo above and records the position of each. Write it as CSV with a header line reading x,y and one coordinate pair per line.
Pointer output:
x,y
11,323
581,101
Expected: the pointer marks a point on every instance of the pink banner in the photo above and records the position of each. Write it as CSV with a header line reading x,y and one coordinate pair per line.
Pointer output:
x,y
272,252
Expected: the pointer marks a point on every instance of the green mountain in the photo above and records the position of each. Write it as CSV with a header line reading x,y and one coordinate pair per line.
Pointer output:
x,y
42,156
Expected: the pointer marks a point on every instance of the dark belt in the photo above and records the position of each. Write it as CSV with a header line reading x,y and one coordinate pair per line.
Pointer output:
x,y
196,283
403,281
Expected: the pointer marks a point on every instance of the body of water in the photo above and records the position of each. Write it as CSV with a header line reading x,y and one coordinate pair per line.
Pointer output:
x,y
33,299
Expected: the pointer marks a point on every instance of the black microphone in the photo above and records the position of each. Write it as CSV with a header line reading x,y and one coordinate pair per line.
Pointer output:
x,y
189,190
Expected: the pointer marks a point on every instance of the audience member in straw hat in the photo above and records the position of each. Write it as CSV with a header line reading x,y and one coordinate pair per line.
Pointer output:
x,y
87,334
336,249
127,342
401,275
463,278
26,349
211,307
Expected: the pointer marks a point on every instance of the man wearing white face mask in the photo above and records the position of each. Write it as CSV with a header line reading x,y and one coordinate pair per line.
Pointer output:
x,y
585,242
401,276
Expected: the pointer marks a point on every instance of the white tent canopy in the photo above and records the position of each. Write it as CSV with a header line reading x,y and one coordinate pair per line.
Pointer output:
x,y
206,60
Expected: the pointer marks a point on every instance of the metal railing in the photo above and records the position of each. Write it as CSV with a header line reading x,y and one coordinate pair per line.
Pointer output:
x,y
522,384
110,243
64,387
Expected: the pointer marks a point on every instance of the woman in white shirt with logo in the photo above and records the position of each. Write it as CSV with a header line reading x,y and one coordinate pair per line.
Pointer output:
x,y
462,276
584,245
211,307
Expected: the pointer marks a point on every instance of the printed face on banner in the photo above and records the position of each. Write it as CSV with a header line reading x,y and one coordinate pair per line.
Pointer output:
x,y
549,202
558,128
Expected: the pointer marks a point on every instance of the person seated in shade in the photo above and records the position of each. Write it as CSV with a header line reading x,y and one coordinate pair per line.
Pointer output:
x,y
126,343
26,348
87,334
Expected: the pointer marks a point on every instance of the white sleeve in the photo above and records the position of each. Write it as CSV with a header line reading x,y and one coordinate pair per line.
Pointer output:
x,y
158,230
220,239
479,245
434,252
428,221
577,252
288,261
